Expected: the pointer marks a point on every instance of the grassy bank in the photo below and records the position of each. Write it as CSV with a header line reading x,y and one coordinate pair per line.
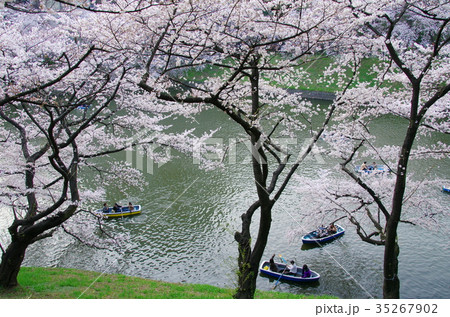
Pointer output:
x,y
60,283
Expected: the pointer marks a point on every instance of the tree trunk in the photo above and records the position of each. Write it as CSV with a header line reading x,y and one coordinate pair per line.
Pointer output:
x,y
248,260
247,283
391,284
246,274
11,262
247,271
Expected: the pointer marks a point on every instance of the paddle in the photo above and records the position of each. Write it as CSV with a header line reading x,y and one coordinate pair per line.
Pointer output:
x,y
276,284
282,259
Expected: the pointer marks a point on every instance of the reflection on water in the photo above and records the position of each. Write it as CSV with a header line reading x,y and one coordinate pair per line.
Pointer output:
x,y
185,234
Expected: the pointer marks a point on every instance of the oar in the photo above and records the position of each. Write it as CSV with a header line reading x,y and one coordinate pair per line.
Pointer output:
x,y
282,259
276,284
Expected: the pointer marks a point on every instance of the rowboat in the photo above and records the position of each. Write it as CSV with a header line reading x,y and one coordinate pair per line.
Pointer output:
x,y
446,189
313,236
123,212
376,170
265,269
83,107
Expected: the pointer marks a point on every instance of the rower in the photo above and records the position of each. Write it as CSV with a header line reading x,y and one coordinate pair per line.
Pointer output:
x,y
291,269
117,207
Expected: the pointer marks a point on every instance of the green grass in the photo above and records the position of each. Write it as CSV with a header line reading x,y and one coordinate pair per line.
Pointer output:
x,y
60,283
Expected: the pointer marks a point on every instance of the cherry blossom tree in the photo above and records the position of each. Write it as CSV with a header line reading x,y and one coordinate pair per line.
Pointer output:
x,y
410,40
65,102
239,57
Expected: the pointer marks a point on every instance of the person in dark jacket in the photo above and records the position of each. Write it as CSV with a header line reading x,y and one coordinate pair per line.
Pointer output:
x,y
117,207
273,265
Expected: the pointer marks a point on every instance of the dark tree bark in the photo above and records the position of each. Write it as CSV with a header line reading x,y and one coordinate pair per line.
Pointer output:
x,y
11,262
391,284
249,259
247,271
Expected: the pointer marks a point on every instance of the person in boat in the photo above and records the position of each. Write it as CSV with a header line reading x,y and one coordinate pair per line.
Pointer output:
x,y
364,166
291,269
321,231
373,166
117,207
332,229
273,265
105,208
130,206
306,272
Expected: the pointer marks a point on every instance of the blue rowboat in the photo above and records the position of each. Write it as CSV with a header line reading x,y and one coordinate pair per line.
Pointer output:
x,y
375,170
123,212
446,189
83,107
265,269
313,236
